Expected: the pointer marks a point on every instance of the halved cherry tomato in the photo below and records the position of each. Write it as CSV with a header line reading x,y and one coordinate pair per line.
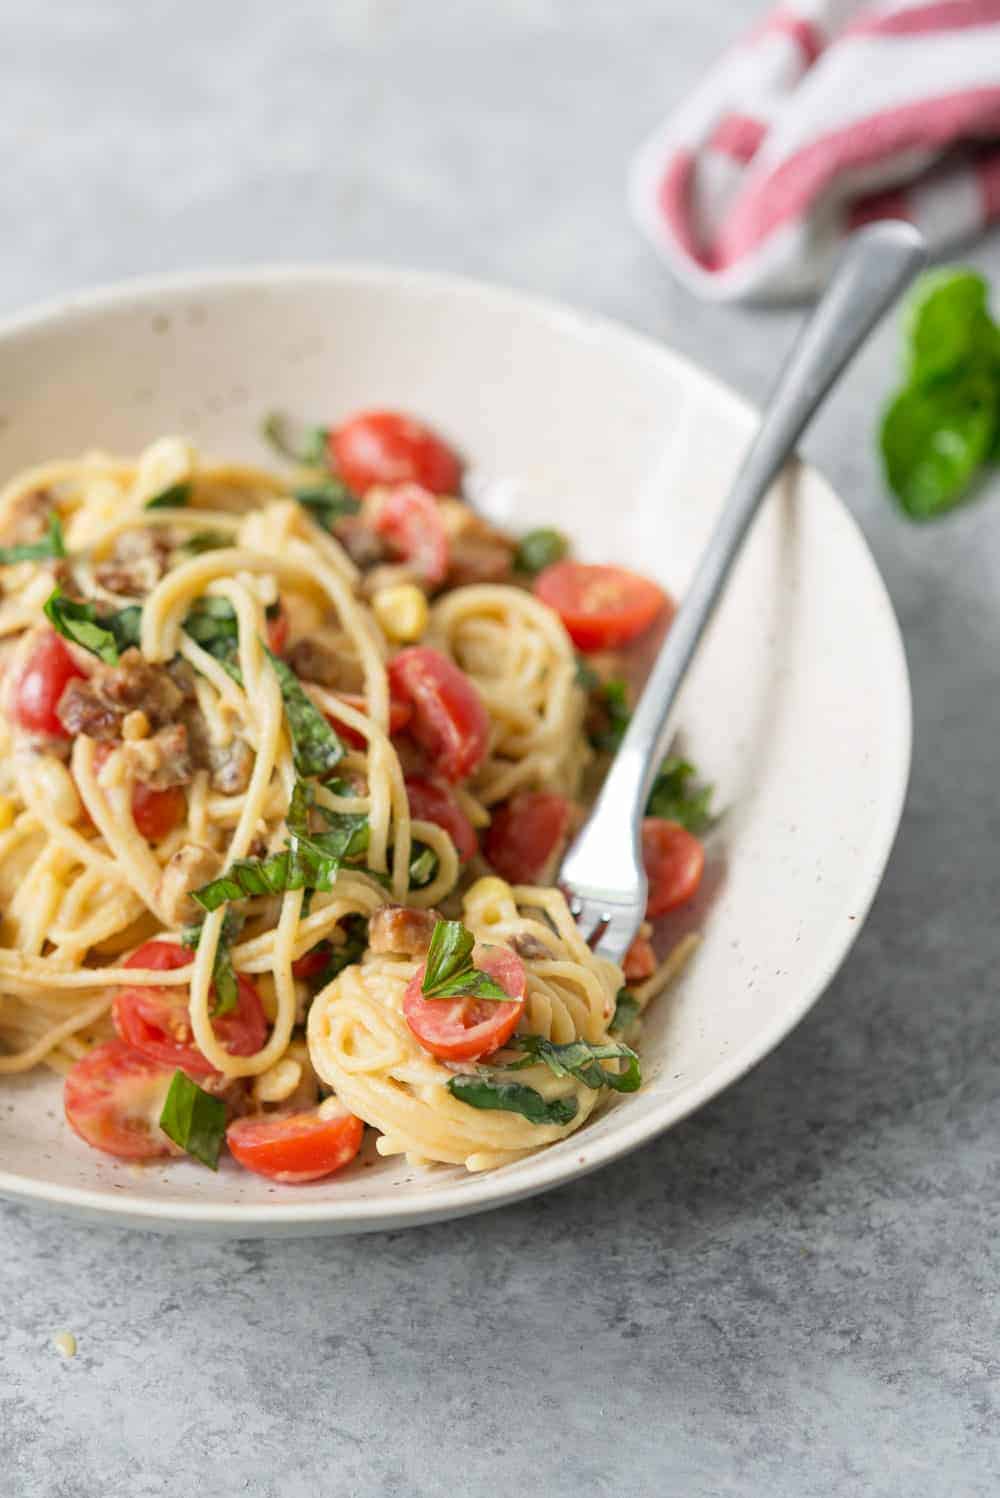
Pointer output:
x,y
40,685
296,1147
449,720
462,1029
526,835
430,801
113,1098
409,518
277,631
155,813
385,447
313,962
400,713
674,860
600,606
155,1020
640,960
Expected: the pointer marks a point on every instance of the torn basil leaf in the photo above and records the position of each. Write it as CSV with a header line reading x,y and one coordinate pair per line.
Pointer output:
x,y
328,502
450,973
316,748
586,676
173,498
582,1060
627,1011
539,549
423,866
613,698
104,635
212,624
51,545
194,1120
674,798
512,1097
308,861
223,972
303,444
202,541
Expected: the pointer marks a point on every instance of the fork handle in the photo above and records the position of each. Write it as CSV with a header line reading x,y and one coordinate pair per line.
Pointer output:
x,y
875,268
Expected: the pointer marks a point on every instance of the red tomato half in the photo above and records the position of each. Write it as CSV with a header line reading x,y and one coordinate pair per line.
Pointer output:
x,y
527,834
431,801
400,713
277,631
463,1029
155,1020
449,721
601,607
113,1097
385,447
313,962
674,860
640,960
296,1147
410,520
44,675
155,813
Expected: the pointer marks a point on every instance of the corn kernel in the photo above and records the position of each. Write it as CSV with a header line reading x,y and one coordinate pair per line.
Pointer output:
x,y
402,612
278,1082
7,812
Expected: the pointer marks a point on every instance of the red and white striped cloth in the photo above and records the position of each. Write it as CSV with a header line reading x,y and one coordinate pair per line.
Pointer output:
x,y
831,113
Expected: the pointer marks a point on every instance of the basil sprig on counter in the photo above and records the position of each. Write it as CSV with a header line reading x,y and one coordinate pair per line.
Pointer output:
x,y
581,1060
943,426
223,972
104,635
450,973
51,545
194,1120
308,860
175,497
512,1097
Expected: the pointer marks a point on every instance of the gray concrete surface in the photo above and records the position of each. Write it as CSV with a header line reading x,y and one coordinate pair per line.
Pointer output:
x,y
794,1293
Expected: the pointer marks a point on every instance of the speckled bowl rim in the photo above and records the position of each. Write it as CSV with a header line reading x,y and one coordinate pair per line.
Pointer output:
x,y
462,1197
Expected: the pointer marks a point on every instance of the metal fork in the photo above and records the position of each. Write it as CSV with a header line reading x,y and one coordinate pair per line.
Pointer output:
x,y
602,873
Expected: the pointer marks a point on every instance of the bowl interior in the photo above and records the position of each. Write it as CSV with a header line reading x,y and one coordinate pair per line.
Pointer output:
x,y
797,708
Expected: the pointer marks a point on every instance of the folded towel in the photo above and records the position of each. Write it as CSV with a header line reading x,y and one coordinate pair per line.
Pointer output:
x,y
831,113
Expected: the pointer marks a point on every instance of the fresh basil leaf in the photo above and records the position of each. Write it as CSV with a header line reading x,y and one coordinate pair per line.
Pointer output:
x,y
512,1097
949,324
303,444
582,1060
104,635
676,800
613,698
586,676
223,972
539,549
449,973
935,436
194,1120
316,748
423,866
173,498
309,861
627,1011
52,545
212,624
202,541
328,502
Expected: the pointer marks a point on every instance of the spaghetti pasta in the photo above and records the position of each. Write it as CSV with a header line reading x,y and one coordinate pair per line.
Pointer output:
x,y
207,843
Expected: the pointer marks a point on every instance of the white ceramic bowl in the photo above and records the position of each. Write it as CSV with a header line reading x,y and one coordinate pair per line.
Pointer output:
x,y
797,707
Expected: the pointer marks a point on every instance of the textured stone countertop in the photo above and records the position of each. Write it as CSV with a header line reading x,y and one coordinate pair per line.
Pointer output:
x,y
793,1294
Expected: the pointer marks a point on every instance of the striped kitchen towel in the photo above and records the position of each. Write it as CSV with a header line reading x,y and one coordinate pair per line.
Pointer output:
x,y
831,113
